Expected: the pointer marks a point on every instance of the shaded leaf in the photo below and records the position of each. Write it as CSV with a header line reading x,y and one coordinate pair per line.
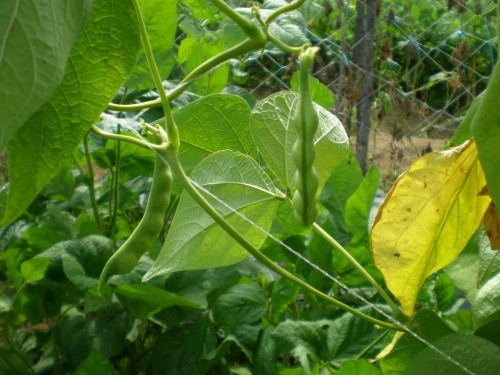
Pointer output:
x,y
107,47
111,326
35,39
95,364
202,243
274,136
405,347
144,300
473,354
241,304
421,226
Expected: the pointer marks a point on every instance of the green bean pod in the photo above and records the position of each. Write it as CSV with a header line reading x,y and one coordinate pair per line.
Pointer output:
x,y
305,120
126,257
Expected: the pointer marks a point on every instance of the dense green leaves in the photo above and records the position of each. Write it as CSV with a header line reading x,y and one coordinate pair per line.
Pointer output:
x,y
107,47
35,41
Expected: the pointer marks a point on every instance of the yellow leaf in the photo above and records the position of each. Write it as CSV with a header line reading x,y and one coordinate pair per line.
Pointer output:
x,y
427,218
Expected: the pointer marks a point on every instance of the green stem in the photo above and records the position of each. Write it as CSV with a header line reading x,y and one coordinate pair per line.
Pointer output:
x,y
171,128
247,26
394,307
287,8
177,169
90,185
244,47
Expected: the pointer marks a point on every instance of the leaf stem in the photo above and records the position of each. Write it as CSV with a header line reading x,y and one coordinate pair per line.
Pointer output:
x,y
171,128
177,169
394,307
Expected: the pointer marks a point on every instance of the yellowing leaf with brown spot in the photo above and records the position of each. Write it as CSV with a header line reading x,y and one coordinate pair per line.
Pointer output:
x,y
427,218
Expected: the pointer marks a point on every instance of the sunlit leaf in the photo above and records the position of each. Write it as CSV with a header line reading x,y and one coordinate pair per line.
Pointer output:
x,y
427,219
194,240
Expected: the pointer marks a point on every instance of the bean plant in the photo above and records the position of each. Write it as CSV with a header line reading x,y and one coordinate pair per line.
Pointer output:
x,y
254,247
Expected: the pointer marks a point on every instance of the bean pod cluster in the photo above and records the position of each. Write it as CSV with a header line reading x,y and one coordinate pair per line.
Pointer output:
x,y
126,257
305,119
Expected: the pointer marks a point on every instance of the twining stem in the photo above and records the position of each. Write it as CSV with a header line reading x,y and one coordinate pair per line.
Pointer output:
x,y
90,185
394,307
170,127
177,169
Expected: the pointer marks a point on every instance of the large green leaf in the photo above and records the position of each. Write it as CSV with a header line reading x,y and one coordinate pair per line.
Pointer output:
x,y
210,124
274,136
474,355
195,241
160,17
35,42
100,61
